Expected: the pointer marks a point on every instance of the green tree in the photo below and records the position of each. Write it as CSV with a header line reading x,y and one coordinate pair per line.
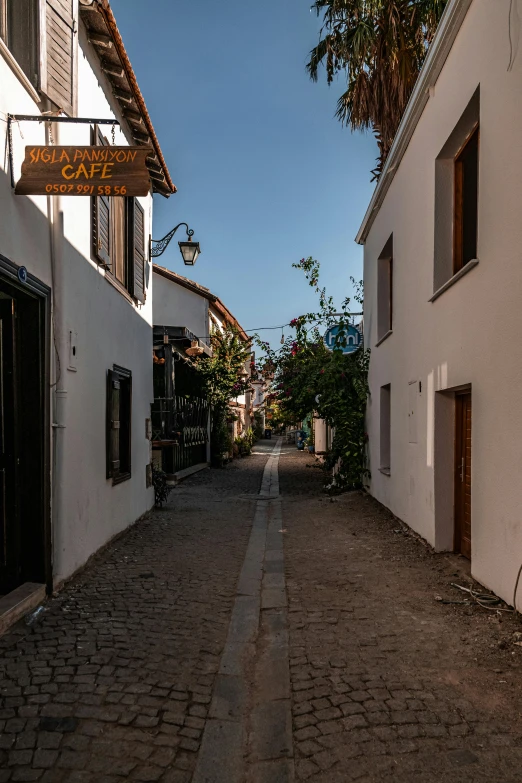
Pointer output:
x,y
380,45
308,377
223,377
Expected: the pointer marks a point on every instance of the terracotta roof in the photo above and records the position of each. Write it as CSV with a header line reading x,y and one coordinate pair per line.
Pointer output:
x,y
104,35
202,291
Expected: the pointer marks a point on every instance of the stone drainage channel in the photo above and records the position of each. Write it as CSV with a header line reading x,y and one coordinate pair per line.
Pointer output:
x,y
248,736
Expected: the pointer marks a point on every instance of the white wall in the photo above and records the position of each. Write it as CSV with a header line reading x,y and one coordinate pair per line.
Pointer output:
x,y
175,305
109,329
470,335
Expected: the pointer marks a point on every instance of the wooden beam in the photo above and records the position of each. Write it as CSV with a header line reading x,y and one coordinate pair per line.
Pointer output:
x,y
134,116
157,177
98,39
112,69
153,166
161,187
143,137
123,95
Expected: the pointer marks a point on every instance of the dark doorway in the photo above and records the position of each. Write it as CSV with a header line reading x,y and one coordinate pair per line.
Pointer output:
x,y
463,474
24,431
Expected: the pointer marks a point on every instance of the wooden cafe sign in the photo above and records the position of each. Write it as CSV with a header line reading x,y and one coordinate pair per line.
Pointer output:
x,y
84,171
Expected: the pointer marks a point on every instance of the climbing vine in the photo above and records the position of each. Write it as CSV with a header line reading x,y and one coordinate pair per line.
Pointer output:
x,y
308,377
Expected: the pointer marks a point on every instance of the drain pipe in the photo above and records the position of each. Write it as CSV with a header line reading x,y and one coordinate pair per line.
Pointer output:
x,y
59,396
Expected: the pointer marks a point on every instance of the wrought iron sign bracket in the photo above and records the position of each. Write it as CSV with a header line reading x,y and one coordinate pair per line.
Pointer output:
x,y
45,118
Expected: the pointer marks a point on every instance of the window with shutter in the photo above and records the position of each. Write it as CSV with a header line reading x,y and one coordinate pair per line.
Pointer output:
x,y
118,425
101,218
118,237
137,259
19,30
58,52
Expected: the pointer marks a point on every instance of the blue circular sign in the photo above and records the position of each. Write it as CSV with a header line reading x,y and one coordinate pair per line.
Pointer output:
x,y
349,334
22,274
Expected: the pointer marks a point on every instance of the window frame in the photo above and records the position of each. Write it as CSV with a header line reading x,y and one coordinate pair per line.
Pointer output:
x,y
121,473
132,252
460,199
385,292
385,429
34,45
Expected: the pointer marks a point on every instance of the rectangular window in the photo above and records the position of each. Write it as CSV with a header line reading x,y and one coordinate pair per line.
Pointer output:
x,y
456,200
385,415
412,411
19,32
118,233
465,221
118,427
385,291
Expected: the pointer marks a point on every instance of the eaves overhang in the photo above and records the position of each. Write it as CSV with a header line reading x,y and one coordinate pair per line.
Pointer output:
x,y
438,52
214,300
178,334
103,34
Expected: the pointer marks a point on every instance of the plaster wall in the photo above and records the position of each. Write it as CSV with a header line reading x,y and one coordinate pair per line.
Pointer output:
x,y
470,334
107,328
175,305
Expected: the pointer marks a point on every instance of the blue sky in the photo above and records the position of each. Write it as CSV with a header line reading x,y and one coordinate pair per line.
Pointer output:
x,y
265,173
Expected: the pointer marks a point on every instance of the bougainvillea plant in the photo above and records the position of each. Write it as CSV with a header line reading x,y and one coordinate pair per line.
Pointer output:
x,y
308,377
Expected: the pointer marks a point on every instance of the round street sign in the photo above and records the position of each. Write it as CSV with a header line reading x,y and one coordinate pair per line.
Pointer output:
x,y
352,336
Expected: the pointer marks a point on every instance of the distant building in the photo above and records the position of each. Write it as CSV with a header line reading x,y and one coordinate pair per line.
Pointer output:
x,y
185,313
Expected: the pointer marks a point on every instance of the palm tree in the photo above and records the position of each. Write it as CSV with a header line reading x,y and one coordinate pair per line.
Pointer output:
x,y
381,46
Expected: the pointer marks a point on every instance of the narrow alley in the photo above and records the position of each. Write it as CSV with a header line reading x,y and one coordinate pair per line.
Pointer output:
x,y
256,630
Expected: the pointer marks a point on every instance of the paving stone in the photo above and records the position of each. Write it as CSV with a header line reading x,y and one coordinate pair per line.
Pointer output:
x,y
116,680
309,732
305,769
45,759
404,672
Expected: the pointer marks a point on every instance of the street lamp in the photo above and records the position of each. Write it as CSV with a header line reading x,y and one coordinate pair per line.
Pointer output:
x,y
189,250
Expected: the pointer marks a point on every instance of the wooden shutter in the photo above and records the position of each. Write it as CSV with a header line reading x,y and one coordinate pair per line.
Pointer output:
x,y
113,424
137,249
58,52
101,219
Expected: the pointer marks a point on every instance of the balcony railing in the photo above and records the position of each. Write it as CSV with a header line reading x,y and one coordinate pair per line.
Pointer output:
x,y
180,420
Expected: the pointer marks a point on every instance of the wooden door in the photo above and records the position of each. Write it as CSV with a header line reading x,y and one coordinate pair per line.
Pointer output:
x,y
463,475
9,565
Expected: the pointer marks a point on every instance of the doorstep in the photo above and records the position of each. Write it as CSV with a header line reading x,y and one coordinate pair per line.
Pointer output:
x,y
19,602
174,478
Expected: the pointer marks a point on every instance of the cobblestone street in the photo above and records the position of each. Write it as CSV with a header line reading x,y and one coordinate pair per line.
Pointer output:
x,y
256,631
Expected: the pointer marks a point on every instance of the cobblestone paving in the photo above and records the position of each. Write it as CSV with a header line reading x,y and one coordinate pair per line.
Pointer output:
x,y
113,681
387,682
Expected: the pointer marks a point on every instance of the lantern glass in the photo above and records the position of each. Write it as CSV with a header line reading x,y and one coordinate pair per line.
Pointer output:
x,y
190,251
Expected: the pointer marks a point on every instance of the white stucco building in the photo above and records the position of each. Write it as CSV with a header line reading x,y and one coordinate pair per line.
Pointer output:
x,y
75,309
442,273
185,311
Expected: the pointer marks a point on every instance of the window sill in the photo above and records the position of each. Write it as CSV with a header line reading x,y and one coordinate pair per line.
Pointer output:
x,y
121,479
384,337
464,271
13,64
385,471
118,286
